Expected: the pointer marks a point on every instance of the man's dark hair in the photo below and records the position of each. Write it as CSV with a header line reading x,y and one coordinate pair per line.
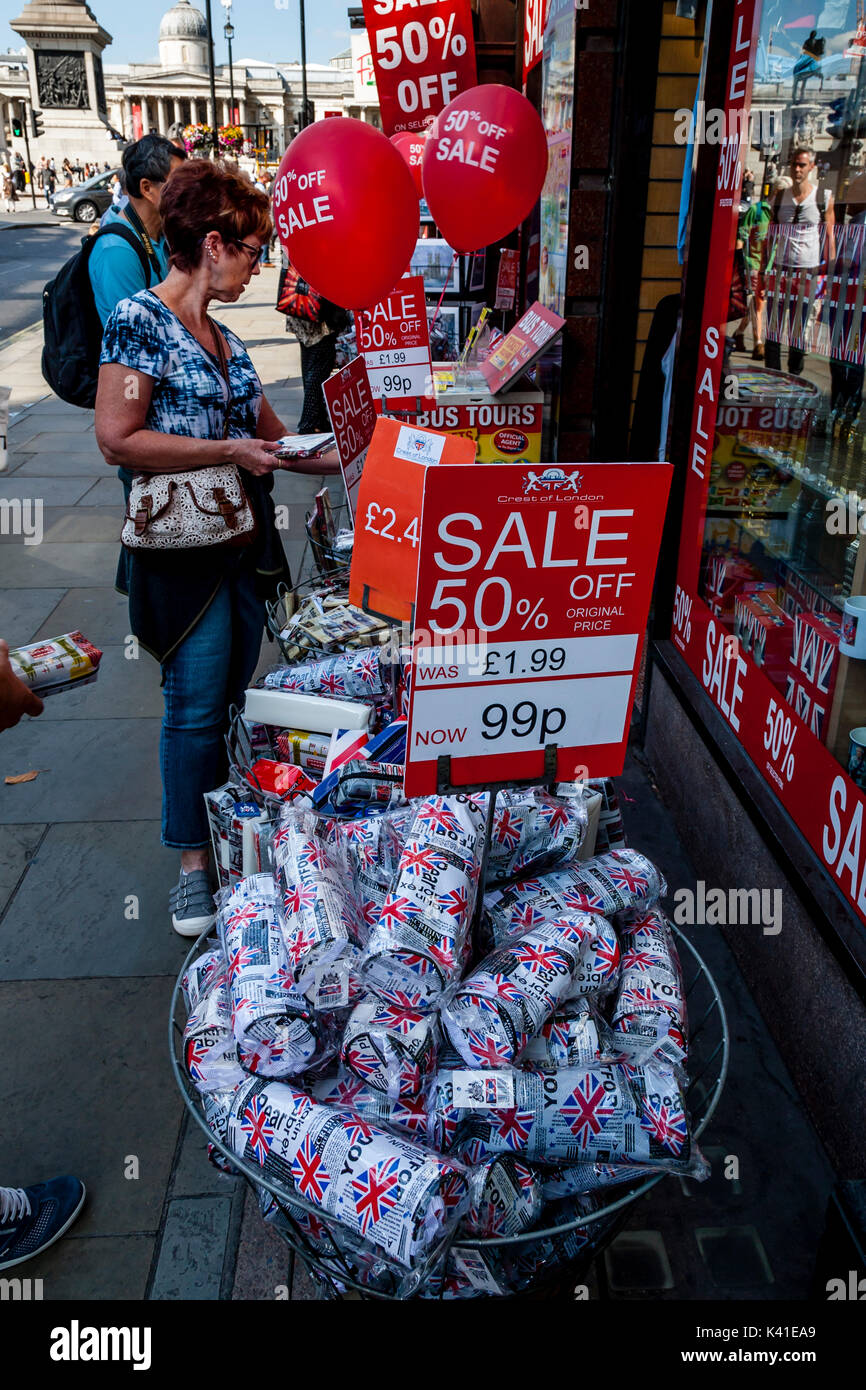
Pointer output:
x,y
148,158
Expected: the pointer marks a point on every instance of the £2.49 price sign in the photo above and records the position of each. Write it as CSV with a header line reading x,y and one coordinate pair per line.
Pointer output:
x,y
423,54
533,594
394,338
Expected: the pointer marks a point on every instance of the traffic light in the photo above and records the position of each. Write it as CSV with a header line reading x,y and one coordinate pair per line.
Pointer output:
x,y
37,125
17,127
310,113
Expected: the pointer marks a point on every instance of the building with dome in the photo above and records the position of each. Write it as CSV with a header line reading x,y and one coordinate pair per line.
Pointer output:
x,y
90,108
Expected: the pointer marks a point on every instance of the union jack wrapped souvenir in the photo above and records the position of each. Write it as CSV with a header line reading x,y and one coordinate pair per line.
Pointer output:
x,y
354,676
199,975
619,881
533,829
504,1198
596,1114
391,1047
271,1020
322,920
649,1012
497,1011
400,1197
611,831
574,1179
416,948
575,1036
409,1116
209,1048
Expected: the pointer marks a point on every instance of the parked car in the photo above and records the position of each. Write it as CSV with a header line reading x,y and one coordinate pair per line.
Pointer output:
x,y
87,201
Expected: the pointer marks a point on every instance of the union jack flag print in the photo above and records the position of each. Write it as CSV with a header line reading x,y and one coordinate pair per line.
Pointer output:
x,y
553,814
332,684
196,1052
356,1129
514,1126
635,883
244,956
299,945
314,854
396,911
310,1175
438,817
364,1062
666,1124
411,1114
486,1050
418,858
456,903
507,829
376,1191
242,916
538,957
399,1020
506,988
257,1127
297,898
585,1111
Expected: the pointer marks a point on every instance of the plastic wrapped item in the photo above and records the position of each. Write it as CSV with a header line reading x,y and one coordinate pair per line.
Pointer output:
x,y
271,1020
304,749
400,1197
576,1036
323,923
408,1116
504,1198
621,881
392,1049
597,1114
200,973
209,1049
361,783
497,1011
227,808
415,951
353,676
649,1013
533,830
59,663
572,1179
611,831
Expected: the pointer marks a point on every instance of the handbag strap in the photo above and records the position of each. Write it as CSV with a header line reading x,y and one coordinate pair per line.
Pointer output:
x,y
224,368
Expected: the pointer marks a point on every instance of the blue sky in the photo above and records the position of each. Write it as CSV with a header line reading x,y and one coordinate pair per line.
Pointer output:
x,y
262,28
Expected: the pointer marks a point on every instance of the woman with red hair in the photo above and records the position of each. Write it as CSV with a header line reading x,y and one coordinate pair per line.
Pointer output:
x,y
178,392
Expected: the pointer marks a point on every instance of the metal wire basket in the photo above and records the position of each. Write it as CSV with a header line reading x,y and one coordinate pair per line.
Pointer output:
x,y
584,1237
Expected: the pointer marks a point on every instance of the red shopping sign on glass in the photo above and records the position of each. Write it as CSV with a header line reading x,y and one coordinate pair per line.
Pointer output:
x,y
423,55
353,418
394,337
520,348
533,593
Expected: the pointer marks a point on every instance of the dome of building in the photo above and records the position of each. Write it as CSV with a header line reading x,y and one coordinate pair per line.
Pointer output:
x,y
183,22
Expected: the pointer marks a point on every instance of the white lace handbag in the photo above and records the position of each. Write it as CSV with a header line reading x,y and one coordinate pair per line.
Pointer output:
x,y
181,511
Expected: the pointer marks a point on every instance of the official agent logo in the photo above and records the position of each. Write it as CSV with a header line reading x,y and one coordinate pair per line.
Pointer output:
x,y
510,442
553,480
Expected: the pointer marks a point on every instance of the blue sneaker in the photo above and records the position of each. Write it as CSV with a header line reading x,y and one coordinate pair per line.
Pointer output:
x,y
32,1218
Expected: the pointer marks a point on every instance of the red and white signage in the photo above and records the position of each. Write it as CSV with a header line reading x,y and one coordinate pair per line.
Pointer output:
x,y
394,338
533,593
506,279
352,413
534,19
423,54
521,347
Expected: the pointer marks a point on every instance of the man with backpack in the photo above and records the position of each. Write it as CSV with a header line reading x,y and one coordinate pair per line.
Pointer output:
x,y
117,270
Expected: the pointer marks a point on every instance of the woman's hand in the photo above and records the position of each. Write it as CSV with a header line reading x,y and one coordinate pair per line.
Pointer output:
x,y
257,456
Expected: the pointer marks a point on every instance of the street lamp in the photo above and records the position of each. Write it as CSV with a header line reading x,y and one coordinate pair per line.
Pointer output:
x,y
215,131
229,32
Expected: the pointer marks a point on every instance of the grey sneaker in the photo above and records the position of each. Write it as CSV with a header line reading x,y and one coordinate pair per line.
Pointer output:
x,y
191,904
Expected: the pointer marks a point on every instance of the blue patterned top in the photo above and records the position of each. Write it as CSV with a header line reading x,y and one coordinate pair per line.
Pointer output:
x,y
189,390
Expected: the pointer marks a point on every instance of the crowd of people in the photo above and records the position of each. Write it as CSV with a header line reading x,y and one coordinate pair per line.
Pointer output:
x,y
44,176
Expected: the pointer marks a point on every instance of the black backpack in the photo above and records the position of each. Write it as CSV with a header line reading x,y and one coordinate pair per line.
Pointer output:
x,y
72,329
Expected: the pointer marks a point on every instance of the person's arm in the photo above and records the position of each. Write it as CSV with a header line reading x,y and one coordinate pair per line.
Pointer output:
x,y
271,427
16,698
122,401
830,224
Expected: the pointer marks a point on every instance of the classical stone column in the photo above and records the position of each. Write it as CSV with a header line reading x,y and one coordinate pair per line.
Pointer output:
x,y
242,111
162,124
178,113
227,114
193,111
127,118
145,116
211,115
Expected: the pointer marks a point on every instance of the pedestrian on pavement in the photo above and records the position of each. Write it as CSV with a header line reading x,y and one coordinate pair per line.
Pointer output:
x,y
10,195
318,343
197,401
31,1218
50,181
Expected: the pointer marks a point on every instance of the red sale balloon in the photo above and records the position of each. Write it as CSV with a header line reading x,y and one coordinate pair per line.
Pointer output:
x,y
484,167
411,146
346,211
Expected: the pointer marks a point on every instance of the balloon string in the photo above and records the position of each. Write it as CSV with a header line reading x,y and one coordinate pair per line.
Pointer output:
x,y
445,288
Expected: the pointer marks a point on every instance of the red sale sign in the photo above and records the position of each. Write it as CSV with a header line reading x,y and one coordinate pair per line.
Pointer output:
x,y
533,34
533,593
394,337
353,418
515,353
423,55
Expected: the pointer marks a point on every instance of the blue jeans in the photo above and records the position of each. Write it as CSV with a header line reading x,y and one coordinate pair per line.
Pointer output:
x,y
210,671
